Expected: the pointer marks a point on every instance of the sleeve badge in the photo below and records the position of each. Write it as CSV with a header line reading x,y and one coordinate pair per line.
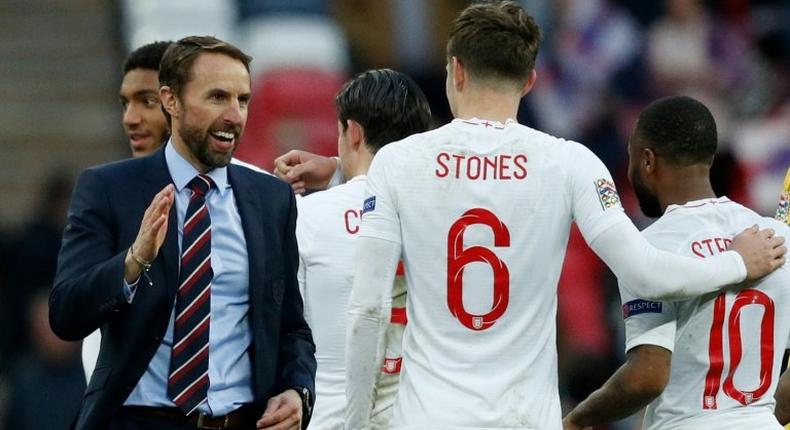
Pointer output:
x,y
784,201
607,193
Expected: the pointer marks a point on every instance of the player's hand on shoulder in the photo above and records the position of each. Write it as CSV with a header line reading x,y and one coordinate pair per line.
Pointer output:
x,y
762,251
305,170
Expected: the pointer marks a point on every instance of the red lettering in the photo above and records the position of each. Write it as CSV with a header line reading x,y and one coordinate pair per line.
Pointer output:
x,y
489,162
446,171
476,167
521,167
355,214
469,168
458,159
694,248
710,248
504,166
721,246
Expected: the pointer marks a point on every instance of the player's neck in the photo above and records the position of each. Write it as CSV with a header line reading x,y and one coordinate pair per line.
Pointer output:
x,y
683,187
488,105
359,166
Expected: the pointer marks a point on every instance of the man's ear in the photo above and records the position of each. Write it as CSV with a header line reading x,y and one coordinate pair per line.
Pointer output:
x,y
459,73
533,76
356,134
169,101
649,161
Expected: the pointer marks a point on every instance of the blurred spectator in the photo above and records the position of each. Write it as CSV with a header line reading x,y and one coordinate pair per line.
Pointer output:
x,y
690,49
31,261
593,40
45,384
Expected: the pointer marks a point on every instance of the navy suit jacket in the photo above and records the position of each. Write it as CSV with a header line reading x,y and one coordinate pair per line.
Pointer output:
x,y
106,210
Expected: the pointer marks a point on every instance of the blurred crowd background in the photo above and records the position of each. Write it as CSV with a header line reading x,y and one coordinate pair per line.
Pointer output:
x,y
601,61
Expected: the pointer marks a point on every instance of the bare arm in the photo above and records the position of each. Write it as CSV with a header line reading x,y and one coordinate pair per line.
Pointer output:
x,y
635,384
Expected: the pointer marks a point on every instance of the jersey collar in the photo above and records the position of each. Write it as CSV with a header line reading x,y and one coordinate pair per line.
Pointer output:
x,y
698,203
485,123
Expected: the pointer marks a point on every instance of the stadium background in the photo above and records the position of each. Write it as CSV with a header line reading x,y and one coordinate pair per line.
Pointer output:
x,y
600,62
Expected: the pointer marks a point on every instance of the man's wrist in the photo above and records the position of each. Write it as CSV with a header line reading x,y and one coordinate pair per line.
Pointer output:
x,y
132,270
307,401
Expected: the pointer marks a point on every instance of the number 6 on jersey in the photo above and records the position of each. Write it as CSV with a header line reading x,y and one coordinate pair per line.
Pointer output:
x,y
458,258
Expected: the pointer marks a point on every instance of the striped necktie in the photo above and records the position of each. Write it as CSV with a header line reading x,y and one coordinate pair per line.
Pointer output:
x,y
188,382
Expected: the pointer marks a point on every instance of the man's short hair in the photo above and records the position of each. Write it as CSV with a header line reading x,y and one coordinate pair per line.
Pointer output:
x,y
176,66
146,57
495,40
679,129
388,105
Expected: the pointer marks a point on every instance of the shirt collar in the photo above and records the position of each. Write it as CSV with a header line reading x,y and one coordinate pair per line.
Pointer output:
x,y
485,123
182,172
698,203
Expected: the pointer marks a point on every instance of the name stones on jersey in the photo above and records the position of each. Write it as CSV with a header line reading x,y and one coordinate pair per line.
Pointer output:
x,y
500,167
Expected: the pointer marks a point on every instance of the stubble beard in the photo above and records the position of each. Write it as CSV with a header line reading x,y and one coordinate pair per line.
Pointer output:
x,y
648,202
197,140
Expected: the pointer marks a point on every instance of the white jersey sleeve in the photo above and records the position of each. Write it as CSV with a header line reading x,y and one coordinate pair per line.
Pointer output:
x,y
368,315
379,210
595,203
647,322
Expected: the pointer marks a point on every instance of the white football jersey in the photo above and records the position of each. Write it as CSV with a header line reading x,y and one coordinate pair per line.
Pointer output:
x,y
482,211
326,229
727,347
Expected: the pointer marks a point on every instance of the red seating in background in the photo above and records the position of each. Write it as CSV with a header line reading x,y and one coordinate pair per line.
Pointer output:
x,y
291,108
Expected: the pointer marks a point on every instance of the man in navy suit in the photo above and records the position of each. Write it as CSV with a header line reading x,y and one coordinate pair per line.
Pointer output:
x,y
188,265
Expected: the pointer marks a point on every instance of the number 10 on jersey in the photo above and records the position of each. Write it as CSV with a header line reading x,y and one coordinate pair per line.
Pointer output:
x,y
716,348
458,258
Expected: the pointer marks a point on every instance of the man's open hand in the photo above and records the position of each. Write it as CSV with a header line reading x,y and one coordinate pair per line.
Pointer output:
x,y
762,252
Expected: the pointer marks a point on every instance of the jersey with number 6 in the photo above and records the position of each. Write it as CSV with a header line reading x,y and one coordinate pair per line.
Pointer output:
x,y
482,211
727,347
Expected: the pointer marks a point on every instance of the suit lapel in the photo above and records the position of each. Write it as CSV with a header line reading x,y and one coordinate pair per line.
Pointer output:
x,y
251,221
157,177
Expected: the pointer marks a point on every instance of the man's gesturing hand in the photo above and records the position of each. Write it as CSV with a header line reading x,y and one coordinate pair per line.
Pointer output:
x,y
151,235
762,252
305,170
283,412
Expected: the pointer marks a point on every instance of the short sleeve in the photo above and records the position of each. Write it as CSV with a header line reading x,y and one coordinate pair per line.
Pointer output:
x,y
595,202
380,218
647,322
